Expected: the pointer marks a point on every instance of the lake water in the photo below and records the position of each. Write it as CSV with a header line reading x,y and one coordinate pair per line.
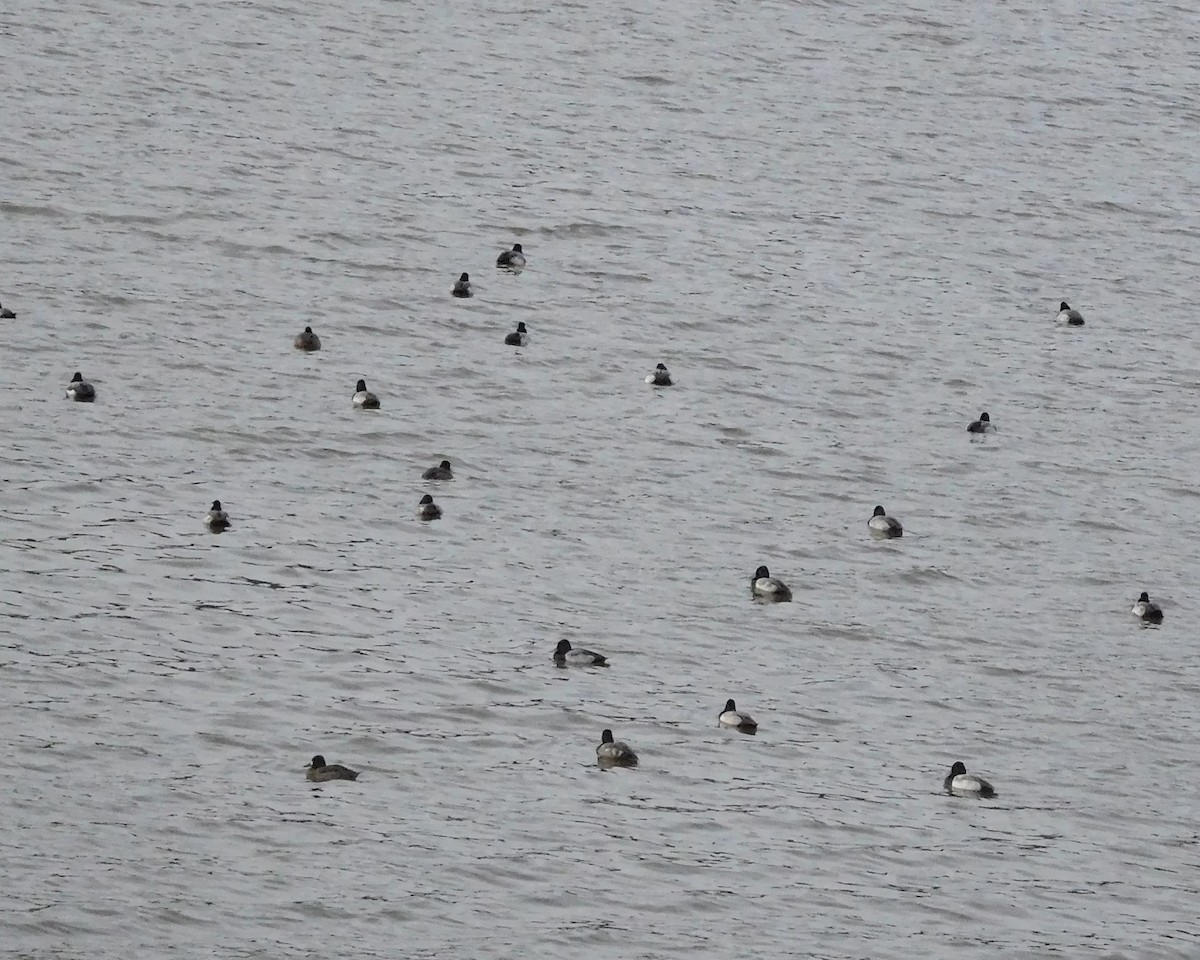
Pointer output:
x,y
846,228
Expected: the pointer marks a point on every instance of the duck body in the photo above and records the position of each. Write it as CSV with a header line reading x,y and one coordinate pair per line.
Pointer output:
x,y
731,716
217,520
514,259
1069,317
881,525
319,771
1147,610
80,390
462,286
307,340
567,656
614,753
6,314
982,425
519,337
428,510
363,398
440,472
763,585
961,783
661,377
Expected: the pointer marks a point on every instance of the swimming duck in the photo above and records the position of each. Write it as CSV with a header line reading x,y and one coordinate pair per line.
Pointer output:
x,y
762,584
428,510
216,519
660,377
519,337
320,771
1147,609
731,716
511,258
462,286
614,753
982,425
6,314
958,781
80,390
363,398
440,472
567,656
307,340
1072,318
881,525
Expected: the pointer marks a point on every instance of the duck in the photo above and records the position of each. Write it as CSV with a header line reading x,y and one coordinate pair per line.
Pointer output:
x,y
982,425
462,286
428,510
762,584
519,337
1146,609
6,314
1072,318
216,519
363,398
567,656
440,472
514,258
80,390
731,716
958,781
661,377
319,771
614,753
881,525
307,340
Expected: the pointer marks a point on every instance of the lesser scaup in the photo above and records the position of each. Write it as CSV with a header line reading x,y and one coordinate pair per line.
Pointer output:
x,y
462,286
319,771
519,337
1072,318
762,584
80,390
731,716
440,472
614,753
958,781
881,525
1147,609
567,656
216,519
428,510
363,398
982,425
660,377
514,258
307,340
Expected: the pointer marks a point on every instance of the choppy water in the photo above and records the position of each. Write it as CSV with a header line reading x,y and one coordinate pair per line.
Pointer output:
x,y
846,228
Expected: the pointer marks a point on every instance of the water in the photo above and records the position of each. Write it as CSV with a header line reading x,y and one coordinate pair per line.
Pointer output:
x,y
846,229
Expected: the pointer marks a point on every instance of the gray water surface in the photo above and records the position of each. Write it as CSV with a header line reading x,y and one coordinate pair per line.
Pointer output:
x,y
846,228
